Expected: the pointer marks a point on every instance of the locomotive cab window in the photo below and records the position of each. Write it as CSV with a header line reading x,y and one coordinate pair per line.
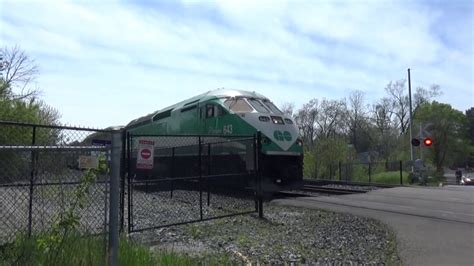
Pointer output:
x,y
272,107
209,110
212,110
257,105
220,111
238,105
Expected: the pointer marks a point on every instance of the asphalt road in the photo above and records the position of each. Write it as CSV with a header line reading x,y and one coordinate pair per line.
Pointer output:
x,y
434,226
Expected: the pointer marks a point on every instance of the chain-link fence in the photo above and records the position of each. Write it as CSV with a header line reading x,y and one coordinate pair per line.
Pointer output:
x,y
50,172
181,179
393,173
47,172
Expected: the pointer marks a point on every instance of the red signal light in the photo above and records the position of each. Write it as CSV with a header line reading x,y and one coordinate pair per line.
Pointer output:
x,y
428,142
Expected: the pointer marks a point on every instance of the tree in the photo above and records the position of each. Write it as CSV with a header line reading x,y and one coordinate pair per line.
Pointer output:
x,y
423,95
470,117
18,101
449,131
330,119
306,120
288,109
319,161
400,103
322,128
385,135
382,115
358,123
18,72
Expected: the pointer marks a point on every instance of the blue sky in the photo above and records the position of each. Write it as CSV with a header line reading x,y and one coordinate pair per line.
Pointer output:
x,y
107,62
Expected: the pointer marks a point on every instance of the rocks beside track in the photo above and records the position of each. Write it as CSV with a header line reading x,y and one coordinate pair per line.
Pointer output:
x,y
285,236
353,187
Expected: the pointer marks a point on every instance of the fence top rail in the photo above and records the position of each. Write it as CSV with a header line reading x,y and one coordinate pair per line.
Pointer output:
x,y
42,183
55,148
192,135
24,124
372,162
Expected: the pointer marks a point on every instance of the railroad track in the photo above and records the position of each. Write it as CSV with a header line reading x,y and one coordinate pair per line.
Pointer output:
x,y
346,183
329,187
331,190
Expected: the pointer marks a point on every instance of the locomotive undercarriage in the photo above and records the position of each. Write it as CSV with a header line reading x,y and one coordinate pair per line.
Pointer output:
x,y
276,172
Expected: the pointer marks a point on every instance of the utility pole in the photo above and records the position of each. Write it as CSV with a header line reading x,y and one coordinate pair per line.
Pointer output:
x,y
411,118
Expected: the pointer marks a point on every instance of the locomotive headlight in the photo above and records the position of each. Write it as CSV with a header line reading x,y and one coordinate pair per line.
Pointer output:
x,y
299,142
264,118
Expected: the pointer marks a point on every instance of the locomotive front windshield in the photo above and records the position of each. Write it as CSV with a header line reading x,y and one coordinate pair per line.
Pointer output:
x,y
272,107
247,105
238,105
257,105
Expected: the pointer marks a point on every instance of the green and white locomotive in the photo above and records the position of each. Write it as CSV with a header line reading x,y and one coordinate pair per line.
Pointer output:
x,y
227,113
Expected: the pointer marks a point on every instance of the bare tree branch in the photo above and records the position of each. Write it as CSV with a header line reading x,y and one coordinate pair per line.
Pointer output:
x,y
18,72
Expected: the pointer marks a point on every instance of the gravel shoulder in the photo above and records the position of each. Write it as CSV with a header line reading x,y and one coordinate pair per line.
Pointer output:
x,y
286,235
431,224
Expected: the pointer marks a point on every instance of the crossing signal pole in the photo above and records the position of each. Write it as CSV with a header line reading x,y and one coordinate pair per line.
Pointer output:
x,y
411,118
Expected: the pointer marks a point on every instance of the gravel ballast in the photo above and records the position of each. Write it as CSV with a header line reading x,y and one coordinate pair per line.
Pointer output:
x,y
286,235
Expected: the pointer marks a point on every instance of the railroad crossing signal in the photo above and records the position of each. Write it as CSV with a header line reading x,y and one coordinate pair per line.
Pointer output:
x,y
425,132
428,142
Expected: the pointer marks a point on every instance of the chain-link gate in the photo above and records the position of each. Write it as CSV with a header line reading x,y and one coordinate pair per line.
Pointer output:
x,y
182,179
42,168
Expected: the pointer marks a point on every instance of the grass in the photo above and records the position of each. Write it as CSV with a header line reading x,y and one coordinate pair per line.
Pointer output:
x,y
391,177
75,250
78,250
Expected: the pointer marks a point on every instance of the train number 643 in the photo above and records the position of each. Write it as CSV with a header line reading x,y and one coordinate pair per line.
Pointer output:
x,y
227,130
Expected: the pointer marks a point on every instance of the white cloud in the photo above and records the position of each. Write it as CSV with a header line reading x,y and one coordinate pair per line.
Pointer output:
x,y
131,60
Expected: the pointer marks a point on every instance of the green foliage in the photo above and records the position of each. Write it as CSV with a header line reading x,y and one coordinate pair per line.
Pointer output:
x,y
449,128
195,231
470,117
21,108
390,177
359,173
17,72
80,250
319,159
51,248
76,250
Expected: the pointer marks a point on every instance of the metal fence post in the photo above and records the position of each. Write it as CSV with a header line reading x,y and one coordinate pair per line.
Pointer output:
x,y
123,170
370,170
259,174
401,173
255,171
32,177
340,171
330,171
172,172
200,177
346,174
208,173
114,200
129,198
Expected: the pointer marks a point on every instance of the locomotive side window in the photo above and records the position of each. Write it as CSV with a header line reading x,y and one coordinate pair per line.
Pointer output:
x,y
214,111
219,111
209,110
238,105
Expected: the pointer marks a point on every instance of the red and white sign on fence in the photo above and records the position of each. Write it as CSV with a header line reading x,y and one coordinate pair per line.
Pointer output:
x,y
145,154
